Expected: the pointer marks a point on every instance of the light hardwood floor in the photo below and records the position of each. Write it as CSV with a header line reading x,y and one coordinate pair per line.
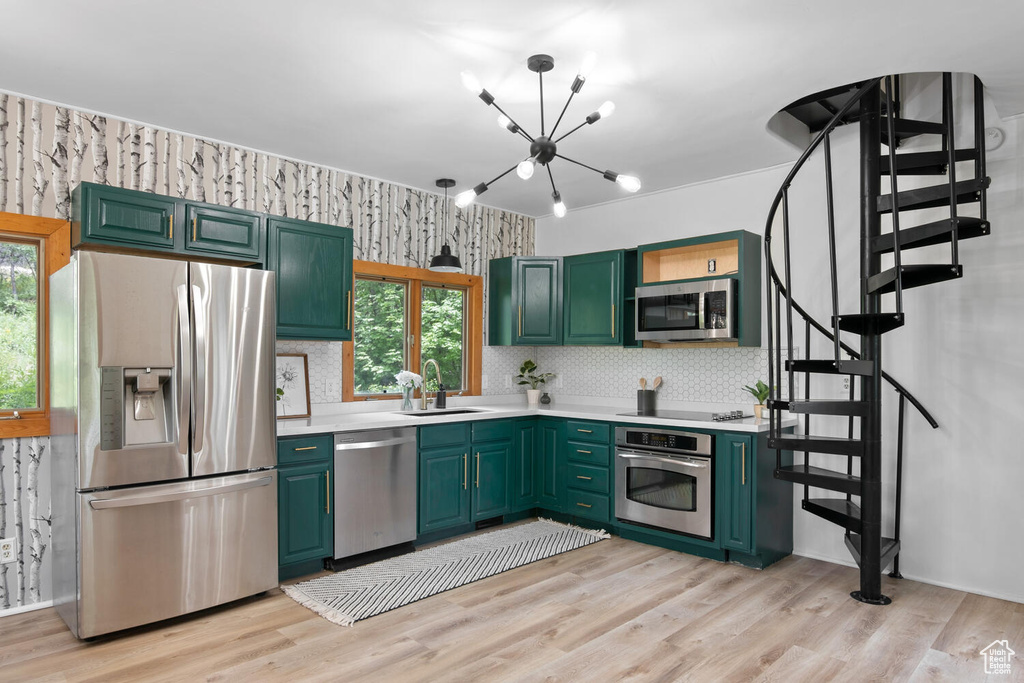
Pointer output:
x,y
615,610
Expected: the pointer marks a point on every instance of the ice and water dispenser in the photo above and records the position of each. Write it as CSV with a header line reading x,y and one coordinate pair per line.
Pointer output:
x,y
137,407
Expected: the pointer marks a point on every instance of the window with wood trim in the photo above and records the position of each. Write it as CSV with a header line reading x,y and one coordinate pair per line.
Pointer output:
x,y
403,316
31,248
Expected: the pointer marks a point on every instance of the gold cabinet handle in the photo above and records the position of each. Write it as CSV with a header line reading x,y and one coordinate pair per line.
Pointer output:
x,y
580,450
613,320
584,505
170,225
306,448
520,321
465,470
348,306
328,508
743,464
580,476
478,470
194,232
585,431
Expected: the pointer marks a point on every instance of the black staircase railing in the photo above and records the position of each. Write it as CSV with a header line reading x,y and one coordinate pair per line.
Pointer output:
x,y
863,522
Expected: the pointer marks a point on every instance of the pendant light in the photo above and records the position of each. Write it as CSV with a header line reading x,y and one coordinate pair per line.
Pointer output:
x,y
544,149
446,261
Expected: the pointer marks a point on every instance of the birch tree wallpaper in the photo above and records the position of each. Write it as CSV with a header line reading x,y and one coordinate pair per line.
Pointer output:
x,y
46,150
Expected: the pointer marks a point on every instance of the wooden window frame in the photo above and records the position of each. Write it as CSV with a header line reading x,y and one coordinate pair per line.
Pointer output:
x,y
54,236
474,321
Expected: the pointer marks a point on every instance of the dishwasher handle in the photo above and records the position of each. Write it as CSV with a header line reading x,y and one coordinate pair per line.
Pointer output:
x,y
364,445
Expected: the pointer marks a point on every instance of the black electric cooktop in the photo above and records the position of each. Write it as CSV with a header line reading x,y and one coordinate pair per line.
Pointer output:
x,y
690,415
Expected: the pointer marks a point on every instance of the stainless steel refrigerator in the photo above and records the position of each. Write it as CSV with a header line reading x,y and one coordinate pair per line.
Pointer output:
x,y
163,438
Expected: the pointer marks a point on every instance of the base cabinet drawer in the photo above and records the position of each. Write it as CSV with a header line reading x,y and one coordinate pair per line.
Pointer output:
x,y
590,453
589,478
595,432
586,504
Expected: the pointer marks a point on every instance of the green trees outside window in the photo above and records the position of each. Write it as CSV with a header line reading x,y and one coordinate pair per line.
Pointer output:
x,y
401,323
379,335
19,325
442,326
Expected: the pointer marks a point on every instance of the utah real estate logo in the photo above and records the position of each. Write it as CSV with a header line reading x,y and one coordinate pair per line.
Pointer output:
x,y
997,657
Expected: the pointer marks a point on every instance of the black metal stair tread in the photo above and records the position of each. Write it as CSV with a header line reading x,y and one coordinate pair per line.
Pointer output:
x,y
908,128
836,510
819,477
869,323
925,163
928,234
934,195
817,444
889,548
822,406
832,367
913,276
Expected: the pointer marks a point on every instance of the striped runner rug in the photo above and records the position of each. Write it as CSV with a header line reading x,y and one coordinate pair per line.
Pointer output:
x,y
349,596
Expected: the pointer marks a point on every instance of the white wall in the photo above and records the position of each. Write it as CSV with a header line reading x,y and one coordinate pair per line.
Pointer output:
x,y
963,512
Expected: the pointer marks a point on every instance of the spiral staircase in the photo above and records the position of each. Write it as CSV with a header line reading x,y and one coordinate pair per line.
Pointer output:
x,y
875,107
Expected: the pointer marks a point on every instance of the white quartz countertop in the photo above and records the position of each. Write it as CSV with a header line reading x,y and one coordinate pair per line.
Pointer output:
x,y
350,420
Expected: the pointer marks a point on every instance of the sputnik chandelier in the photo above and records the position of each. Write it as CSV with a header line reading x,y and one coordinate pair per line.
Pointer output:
x,y
543,149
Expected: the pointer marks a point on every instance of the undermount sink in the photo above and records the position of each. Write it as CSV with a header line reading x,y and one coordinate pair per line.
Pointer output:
x,y
437,412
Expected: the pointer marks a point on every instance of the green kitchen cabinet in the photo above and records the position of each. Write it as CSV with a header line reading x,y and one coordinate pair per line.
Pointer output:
x,y
736,472
313,263
588,462
465,473
525,301
592,298
524,465
220,231
104,216
551,464
119,219
305,530
444,498
491,491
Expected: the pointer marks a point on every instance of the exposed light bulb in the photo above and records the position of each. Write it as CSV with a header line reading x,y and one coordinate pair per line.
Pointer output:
x,y
606,109
589,60
628,183
525,169
559,207
508,124
464,199
471,83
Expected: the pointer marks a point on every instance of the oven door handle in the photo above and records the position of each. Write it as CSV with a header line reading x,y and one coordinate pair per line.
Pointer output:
x,y
656,458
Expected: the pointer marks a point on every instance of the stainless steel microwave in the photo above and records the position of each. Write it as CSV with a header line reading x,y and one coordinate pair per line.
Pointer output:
x,y
687,311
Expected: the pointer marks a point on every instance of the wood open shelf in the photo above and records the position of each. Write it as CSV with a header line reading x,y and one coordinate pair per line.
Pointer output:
x,y
685,263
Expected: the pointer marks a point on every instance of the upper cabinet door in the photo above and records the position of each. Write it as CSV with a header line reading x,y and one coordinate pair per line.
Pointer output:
x,y
223,231
538,312
592,298
125,218
313,263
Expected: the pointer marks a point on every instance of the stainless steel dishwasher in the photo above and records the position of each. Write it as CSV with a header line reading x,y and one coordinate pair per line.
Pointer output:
x,y
374,490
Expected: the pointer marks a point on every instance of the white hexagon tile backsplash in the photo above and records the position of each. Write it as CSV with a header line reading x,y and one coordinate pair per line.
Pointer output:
x,y
690,374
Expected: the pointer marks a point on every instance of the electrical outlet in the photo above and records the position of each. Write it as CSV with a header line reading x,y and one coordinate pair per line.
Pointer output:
x,y
8,550
508,381
712,265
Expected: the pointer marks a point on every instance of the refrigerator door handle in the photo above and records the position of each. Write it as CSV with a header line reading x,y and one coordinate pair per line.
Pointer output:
x,y
200,384
184,369
152,498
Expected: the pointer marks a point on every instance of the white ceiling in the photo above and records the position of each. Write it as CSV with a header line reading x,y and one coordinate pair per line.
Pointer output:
x,y
373,87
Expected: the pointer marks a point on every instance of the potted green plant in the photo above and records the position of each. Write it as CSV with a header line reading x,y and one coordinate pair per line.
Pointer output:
x,y
528,375
760,392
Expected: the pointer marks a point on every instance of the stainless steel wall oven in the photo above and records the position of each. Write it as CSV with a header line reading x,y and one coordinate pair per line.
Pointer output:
x,y
665,479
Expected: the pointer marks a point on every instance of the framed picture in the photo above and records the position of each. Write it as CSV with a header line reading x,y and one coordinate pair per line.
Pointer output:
x,y
292,385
